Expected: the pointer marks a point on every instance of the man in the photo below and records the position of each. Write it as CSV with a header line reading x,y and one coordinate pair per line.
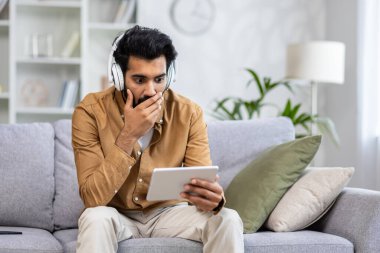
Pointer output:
x,y
122,133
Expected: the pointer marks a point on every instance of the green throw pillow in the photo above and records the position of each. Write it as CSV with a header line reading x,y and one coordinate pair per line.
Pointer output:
x,y
256,190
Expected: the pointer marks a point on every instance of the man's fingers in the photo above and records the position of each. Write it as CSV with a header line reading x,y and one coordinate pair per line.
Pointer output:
x,y
153,107
147,103
212,186
207,194
129,102
200,202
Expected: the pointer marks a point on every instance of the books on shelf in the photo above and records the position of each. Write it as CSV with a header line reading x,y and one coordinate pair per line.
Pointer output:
x,y
125,11
69,94
71,45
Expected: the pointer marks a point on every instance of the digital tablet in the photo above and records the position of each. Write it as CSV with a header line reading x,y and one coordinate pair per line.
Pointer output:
x,y
168,183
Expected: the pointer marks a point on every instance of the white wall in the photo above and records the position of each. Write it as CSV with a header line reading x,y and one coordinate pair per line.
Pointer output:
x,y
246,33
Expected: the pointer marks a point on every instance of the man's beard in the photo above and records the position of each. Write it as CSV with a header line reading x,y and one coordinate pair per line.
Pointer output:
x,y
142,99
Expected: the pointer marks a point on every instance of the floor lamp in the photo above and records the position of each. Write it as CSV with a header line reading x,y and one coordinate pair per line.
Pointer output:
x,y
316,62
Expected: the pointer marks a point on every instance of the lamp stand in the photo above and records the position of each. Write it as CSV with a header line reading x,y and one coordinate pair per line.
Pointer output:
x,y
314,105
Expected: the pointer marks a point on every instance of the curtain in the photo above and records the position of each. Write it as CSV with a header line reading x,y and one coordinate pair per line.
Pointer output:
x,y
369,91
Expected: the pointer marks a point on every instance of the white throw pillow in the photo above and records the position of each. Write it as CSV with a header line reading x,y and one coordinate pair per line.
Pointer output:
x,y
309,198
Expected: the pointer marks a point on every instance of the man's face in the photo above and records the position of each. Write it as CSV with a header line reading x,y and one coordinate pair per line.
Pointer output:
x,y
145,77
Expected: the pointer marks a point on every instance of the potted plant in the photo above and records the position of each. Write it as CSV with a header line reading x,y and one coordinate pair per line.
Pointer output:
x,y
235,108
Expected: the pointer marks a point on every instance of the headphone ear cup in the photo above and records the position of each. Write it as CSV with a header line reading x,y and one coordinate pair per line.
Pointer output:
x,y
171,75
118,77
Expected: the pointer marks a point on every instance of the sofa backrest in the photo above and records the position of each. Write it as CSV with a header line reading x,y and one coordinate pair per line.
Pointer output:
x,y
27,175
67,203
234,144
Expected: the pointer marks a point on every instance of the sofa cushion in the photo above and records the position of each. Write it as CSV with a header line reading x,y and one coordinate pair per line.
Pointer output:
x,y
32,240
68,239
262,242
293,242
257,189
67,204
309,198
234,144
27,175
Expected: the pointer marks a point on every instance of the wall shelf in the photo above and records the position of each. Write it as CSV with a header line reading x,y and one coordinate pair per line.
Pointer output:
x,y
64,4
55,24
44,110
4,23
109,26
56,60
4,95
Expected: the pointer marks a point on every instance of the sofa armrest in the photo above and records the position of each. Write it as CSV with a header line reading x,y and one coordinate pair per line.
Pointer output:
x,y
356,217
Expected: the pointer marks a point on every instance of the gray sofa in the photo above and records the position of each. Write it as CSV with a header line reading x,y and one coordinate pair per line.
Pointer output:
x,y
39,194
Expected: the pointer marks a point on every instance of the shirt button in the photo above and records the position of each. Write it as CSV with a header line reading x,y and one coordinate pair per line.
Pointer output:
x,y
139,153
136,198
140,180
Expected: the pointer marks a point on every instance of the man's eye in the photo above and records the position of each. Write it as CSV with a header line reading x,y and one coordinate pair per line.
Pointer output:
x,y
160,79
139,80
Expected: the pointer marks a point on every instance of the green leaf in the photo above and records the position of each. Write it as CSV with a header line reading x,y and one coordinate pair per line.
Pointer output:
x,y
267,84
236,110
287,109
302,118
221,106
294,111
306,127
257,80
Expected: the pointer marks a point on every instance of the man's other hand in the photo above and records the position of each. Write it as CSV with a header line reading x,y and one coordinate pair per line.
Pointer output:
x,y
205,195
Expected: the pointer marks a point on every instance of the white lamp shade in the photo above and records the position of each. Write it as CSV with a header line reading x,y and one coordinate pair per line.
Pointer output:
x,y
319,61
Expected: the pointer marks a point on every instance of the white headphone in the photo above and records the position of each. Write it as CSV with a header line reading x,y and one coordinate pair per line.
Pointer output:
x,y
115,74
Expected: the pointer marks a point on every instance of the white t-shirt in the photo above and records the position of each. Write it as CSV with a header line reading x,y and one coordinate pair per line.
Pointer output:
x,y
145,139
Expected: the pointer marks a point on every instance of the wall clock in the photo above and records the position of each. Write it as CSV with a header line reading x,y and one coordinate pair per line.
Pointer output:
x,y
192,17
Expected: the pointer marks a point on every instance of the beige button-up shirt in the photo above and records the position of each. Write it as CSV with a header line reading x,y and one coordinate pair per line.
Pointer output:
x,y
108,176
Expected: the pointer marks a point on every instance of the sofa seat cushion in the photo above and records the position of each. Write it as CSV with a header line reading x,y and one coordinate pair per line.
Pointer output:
x,y
68,239
288,242
32,240
293,242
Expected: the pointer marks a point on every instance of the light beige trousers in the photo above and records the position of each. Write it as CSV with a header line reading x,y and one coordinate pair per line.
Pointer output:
x,y
101,228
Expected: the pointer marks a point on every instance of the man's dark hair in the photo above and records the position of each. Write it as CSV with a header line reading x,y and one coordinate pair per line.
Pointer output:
x,y
146,43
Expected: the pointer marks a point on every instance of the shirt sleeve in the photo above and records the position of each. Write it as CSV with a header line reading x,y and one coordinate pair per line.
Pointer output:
x,y
99,176
197,148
